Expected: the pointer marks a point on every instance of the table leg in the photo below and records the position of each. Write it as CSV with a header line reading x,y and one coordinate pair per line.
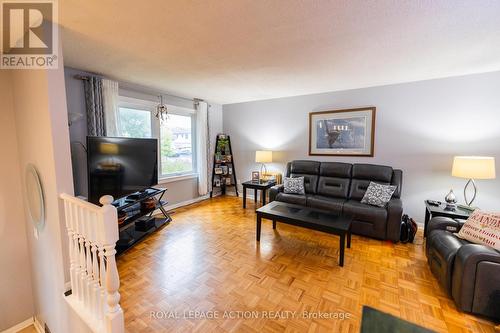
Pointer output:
x,y
244,197
255,195
349,239
263,193
259,223
342,246
427,218
274,224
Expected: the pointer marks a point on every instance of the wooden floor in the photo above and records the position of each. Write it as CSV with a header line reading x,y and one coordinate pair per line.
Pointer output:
x,y
207,262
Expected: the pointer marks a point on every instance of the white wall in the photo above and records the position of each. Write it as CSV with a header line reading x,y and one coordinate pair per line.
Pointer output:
x,y
43,140
420,126
15,272
178,191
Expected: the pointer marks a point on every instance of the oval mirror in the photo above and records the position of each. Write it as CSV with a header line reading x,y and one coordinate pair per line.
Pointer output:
x,y
34,195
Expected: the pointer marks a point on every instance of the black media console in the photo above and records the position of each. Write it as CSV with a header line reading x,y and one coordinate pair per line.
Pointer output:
x,y
139,223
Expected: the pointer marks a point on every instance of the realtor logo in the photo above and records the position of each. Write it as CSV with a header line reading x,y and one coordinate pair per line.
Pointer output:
x,y
29,34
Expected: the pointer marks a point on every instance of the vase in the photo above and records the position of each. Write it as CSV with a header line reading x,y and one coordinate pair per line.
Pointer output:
x,y
451,198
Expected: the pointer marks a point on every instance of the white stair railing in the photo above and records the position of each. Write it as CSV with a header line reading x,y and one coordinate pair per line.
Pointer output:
x,y
93,233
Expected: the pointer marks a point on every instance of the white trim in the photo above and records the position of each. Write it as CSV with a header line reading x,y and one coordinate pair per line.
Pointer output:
x,y
20,326
176,178
38,326
186,203
125,101
182,204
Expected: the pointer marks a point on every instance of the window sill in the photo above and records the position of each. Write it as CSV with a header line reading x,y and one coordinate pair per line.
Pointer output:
x,y
177,178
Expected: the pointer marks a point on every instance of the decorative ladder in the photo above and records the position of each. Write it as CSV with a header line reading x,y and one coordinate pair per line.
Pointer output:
x,y
93,233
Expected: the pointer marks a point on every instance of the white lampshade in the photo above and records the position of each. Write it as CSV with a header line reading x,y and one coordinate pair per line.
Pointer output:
x,y
263,156
473,167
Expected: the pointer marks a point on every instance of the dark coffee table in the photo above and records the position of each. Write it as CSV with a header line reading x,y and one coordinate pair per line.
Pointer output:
x,y
307,218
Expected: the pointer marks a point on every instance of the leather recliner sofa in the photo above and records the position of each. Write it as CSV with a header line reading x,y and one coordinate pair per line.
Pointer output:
x,y
468,272
339,187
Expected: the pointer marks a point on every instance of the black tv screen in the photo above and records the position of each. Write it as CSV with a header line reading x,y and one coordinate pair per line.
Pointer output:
x,y
120,166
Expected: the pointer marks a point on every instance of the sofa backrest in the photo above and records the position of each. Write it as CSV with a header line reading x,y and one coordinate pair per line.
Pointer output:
x,y
334,179
343,180
307,169
363,174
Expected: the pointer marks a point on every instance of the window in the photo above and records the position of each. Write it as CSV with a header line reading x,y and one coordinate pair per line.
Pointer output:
x,y
176,136
135,123
176,145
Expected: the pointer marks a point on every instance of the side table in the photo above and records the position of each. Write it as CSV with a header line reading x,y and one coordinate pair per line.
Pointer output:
x,y
263,187
441,210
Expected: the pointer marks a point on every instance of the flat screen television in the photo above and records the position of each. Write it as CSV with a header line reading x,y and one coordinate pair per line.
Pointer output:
x,y
120,166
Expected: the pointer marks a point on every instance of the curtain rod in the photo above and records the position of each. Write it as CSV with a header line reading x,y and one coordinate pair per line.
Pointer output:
x,y
195,100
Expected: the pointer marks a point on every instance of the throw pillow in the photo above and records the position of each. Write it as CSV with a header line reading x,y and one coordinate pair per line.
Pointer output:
x,y
482,228
294,185
378,194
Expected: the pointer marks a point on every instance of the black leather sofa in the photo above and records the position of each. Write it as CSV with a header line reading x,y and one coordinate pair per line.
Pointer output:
x,y
339,188
469,273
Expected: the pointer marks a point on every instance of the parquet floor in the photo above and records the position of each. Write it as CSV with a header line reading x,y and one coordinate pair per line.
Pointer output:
x,y
207,262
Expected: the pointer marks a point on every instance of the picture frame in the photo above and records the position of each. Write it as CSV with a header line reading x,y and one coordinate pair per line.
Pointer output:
x,y
218,171
347,132
255,176
217,182
228,181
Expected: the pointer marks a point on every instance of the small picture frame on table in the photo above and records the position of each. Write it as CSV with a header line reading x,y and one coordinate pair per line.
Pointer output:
x,y
228,181
217,182
218,171
255,176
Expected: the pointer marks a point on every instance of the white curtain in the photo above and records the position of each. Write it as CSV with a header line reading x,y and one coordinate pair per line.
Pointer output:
x,y
110,106
202,146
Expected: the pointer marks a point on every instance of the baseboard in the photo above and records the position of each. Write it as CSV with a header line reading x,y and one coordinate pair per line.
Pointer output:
x,y
184,203
20,326
38,326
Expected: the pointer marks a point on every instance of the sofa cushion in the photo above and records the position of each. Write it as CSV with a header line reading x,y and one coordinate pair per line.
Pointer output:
x,y
378,194
293,185
310,181
335,169
362,174
367,213
333,186
307,169
325,203
380,173
442,248
291,198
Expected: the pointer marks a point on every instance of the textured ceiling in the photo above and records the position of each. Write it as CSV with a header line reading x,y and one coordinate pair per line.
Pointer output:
x,y
230,51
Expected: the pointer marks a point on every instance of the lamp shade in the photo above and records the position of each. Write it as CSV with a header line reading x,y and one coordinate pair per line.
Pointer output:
x,y
474,167
263,156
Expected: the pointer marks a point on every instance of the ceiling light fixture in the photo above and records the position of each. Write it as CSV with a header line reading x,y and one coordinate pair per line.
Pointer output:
x,y
161,110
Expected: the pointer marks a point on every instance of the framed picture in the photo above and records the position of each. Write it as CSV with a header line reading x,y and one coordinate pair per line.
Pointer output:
x,y
349,132
217,182
255,176
228,181
218,171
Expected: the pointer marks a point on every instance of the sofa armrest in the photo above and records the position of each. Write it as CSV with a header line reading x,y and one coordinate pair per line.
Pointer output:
x,y
444,223
394,214
467,261
273,191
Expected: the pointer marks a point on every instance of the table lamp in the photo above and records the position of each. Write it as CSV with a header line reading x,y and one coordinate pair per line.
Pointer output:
x,y
473,167
263,156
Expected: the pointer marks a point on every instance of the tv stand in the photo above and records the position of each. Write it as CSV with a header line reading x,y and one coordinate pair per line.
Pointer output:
x,y
130,233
